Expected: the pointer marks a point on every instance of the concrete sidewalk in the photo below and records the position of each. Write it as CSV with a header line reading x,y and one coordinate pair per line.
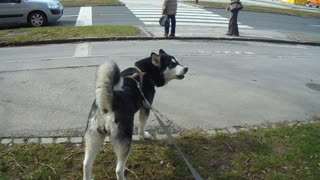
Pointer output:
x,y
188,32
194,33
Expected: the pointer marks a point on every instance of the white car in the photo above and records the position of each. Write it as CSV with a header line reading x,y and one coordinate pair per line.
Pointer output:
x,y
33,12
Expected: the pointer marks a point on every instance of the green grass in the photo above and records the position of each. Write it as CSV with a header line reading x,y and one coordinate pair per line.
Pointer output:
x,y
67,32
91,2
262,9
281,153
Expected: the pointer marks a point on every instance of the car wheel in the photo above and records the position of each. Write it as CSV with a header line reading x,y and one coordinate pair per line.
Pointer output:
x,y
37,19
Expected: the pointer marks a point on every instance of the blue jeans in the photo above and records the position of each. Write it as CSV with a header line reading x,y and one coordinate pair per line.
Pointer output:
x,y
172,19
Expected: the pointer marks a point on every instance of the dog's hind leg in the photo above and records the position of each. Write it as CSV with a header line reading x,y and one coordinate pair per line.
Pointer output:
x,y
122,150
93,142
143,117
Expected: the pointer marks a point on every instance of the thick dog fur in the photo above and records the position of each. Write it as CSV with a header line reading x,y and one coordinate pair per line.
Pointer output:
x,y
118,99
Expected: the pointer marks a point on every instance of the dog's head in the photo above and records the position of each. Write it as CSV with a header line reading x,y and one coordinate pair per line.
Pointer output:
x,y
168,67
162,68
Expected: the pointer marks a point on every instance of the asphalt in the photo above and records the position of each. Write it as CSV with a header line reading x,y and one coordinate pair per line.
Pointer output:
x,y
202,33
271,3
208,33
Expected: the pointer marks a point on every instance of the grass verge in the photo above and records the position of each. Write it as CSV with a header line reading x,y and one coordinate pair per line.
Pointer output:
x,y
262,9
281,153
11,36
68,3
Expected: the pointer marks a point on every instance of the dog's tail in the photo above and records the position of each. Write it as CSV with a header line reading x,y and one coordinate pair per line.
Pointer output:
x,y
108,75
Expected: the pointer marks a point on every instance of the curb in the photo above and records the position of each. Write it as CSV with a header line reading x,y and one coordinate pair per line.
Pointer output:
x,y
30,43
80,140
61,140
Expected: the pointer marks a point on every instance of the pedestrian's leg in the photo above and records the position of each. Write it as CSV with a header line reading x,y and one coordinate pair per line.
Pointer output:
x,y
236,30
230,24
173,25
233,23
166,28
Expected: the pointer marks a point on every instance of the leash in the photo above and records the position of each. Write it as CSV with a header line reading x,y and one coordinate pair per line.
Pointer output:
x,y
164,127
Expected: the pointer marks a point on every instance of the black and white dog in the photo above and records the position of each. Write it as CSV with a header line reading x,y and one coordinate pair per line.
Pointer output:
x,y
118,99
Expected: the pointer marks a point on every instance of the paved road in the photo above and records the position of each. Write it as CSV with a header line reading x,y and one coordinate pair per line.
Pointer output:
x,y
269,21
101,15
45,93
147,15
271,3
142,15
213,22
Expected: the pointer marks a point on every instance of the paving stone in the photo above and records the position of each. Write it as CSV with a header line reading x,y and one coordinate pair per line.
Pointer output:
x,y
107,139
6,141
33,140
243,129
232,130
212,132
76,140
18,141
61,140
135,138
46,140
222,131
161,136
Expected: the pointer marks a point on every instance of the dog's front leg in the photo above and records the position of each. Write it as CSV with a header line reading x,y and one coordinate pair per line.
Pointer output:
x,y
143,116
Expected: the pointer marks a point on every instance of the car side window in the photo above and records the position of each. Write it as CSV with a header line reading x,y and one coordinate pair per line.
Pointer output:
x,y
4,1
14,1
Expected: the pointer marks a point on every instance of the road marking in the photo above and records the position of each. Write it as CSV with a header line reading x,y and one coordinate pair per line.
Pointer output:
x,y
315,25
101,14
186,16
151,8
182,17
82,50
189,20
193,14
249,53
200,24
84,17
181,11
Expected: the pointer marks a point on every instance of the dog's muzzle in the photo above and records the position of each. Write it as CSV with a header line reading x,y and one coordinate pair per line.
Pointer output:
x,y
185,70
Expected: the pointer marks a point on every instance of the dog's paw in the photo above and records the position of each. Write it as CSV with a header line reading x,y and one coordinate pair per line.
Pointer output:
x,y
146,136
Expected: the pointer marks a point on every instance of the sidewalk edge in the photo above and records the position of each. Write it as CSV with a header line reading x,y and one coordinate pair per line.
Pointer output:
x,y
31,43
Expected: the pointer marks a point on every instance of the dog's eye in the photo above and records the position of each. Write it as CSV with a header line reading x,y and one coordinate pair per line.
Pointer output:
x,y
172,65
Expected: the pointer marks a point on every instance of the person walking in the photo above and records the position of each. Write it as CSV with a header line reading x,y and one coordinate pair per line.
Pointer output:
x,y
169,8
234,7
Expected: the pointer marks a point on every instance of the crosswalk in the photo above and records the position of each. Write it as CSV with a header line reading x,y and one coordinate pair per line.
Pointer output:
x,y
186,16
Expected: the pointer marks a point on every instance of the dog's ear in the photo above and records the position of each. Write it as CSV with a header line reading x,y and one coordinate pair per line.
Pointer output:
x,y
161,51
155,58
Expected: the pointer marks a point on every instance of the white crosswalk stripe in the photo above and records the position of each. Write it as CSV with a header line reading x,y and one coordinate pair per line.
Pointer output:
x,y
186,16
